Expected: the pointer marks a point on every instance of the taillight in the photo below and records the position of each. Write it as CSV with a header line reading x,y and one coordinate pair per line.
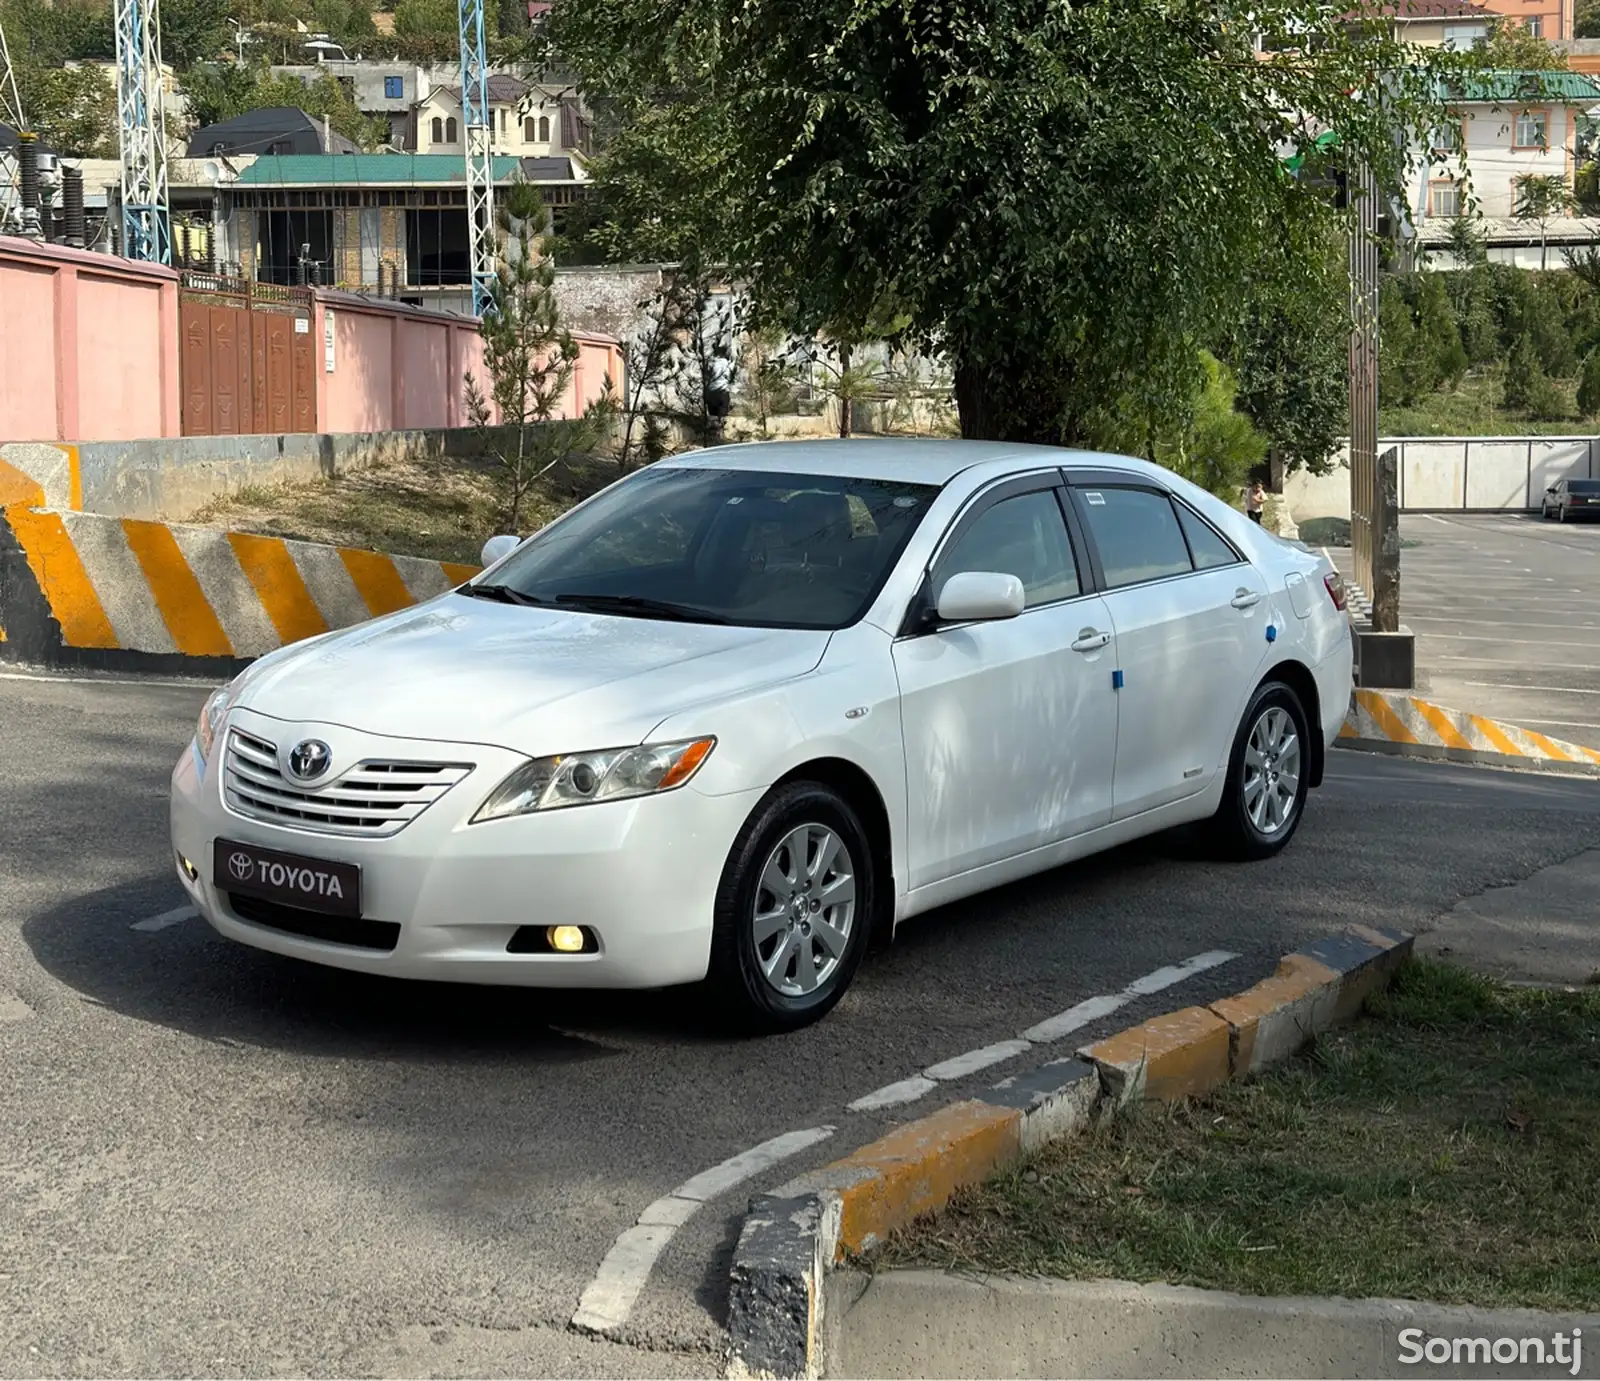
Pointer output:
x,y
1335,584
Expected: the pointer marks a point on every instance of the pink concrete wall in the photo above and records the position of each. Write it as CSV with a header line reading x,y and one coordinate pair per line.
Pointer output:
x,y
89,352
88,346
396,367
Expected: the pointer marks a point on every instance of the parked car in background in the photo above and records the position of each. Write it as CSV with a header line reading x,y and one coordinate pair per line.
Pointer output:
x,y
750,708
1571,499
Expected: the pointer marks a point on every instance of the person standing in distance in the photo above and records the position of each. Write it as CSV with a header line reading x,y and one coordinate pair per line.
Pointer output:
x,y
1255,500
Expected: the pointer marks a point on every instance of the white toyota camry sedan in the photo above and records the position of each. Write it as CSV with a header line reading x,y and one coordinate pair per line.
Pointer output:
x,y
735,717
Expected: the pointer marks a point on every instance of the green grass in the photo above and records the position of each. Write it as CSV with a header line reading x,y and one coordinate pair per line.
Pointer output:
x,y
1476,408
1444,1148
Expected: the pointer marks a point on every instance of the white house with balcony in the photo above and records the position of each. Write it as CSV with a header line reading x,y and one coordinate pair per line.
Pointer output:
x,y
526,120
1512,126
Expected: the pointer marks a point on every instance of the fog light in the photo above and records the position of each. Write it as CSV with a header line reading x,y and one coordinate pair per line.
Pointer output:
x,y
189,870
566,938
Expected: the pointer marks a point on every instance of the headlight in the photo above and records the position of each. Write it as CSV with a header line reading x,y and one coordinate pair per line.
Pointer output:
x,y
613,774
212,714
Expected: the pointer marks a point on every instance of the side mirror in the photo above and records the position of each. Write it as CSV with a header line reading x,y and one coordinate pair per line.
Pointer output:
x,y
971,596
497,547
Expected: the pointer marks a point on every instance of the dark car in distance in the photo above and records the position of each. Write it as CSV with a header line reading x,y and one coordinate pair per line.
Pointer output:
x,y
1567,499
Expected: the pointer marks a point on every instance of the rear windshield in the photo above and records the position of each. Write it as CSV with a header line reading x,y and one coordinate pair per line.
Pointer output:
x,y
732,546
1584,486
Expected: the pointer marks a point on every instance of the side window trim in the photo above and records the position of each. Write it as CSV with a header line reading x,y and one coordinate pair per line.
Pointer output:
x,y
914,624
1079,481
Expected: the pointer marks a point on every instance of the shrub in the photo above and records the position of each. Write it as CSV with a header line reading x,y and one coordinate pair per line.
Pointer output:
x,y
1589,385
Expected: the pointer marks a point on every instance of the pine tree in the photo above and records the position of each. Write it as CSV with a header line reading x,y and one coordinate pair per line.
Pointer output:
x,y
529,356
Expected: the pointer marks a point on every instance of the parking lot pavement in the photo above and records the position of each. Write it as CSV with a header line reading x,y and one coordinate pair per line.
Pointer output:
x,y
219,1162
1506,610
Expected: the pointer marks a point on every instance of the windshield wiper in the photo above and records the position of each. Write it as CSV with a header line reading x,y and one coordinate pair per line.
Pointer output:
x,y
639,604
504,593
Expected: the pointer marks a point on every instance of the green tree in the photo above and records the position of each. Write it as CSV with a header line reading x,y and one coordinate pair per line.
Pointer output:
x,y
1292,364
1524,374
1586,22
193,31
1589,385
1511,48
1063,200
1215,445
1541,200
529,357
72,109
414,18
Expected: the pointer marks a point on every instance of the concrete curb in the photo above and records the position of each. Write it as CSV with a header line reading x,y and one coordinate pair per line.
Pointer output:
x,y
917,1323
90,590
793,1236
1404,725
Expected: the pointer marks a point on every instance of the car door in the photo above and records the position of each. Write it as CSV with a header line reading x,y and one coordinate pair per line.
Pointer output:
x,y
1010,725
1189,615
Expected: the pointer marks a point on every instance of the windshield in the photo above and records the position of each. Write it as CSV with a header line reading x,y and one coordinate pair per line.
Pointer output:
x,y
722,546
1584,486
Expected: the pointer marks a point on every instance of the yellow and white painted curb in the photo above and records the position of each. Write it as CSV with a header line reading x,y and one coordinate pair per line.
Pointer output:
x,y
1395,722
73,584
792,1237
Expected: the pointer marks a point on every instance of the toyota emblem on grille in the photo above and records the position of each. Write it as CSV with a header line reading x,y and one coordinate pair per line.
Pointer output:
x,y
241,866
310,759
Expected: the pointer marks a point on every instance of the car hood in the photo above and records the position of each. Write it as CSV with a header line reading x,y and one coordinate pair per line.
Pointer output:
x,y
536,681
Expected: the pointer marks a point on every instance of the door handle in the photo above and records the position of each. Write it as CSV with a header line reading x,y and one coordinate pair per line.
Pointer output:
x,y
1090,640
1245,599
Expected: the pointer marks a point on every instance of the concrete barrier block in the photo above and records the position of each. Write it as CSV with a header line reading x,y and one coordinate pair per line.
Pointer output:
x,y
1271,1021
919,1166
775,1295
1176,1056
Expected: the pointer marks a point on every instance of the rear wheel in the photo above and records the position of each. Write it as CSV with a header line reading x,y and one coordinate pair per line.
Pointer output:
x,y
1268,776
793,910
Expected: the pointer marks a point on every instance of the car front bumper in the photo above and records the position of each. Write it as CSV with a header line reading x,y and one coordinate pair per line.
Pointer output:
x,y
641,874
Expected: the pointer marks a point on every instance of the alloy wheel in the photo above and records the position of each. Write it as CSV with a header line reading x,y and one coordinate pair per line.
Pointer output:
x,y
805,910
1272,771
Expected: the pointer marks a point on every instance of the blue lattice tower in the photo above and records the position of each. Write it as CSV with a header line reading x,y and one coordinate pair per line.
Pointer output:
x,y
142,132
11,114
480,170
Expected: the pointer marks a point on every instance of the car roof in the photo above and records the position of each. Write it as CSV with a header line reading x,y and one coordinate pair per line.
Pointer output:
x,y
919,460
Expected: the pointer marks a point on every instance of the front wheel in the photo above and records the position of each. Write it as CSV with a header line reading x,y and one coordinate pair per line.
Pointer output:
x,y
793,910
1268,776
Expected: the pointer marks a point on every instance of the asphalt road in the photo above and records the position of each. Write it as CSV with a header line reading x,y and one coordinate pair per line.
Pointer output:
x,y
214,1161
1506,609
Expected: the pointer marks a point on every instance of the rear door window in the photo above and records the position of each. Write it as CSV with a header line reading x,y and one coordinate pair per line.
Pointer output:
x,y
1137,534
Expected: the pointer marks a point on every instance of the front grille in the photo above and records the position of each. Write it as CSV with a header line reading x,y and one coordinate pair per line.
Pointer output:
x,y
375,798
313,925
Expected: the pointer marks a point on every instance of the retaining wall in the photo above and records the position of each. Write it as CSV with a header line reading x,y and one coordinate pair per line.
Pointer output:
x,y
173,477
1440,474
81,588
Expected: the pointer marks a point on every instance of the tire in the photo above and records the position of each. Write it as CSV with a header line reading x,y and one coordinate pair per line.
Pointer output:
x,y
800,818
1244,826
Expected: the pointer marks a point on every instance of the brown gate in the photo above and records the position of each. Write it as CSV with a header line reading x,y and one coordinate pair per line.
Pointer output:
x,y
247,360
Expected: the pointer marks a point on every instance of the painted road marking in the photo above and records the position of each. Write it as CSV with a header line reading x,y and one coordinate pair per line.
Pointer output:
x,y
609,1298
974,1060
1046,1031
166,918
905,1091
